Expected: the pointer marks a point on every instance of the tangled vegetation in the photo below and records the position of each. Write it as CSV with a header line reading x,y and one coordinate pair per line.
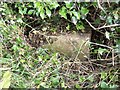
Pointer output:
x,y
27,65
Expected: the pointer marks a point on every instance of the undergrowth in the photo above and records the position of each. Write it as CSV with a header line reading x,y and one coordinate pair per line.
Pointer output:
x,y
23,66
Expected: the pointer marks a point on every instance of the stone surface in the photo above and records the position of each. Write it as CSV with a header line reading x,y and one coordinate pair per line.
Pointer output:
x,y
72,45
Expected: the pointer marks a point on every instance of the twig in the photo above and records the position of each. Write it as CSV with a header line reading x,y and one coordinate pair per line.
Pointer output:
x,y
108,48
90,24
99,5
113,76
113,25
101,45
93,60
108,3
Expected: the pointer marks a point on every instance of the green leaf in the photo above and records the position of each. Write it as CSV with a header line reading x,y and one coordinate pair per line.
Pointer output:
x,y
103,75
4,60
103,85
109,19
114,86
48,12
41,9
20,10
97,21
74,20
43,84
22,60
63,12
15,47
68,27
80,26
6,80
69,4
77,86
63,85
76,14
107,34
30,12
19,20
54,5
116,16
37,14
25,10
84,11
101,51
42,14
117,47
81,78
37,4
18,39
55,80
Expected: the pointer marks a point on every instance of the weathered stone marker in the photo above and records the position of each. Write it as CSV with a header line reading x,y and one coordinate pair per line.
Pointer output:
x,y
75,45
72,45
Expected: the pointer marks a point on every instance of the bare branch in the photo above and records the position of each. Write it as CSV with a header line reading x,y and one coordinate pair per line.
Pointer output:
x,y
113,25
113,60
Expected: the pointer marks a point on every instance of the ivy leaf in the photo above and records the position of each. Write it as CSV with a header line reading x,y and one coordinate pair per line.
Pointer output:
x,y
84,11
53,5
114,86
68,27
116,16
19,20
97,21
20,10
80,26
48,12
55,80
37,4
77,14
74,20
103,84
63,12
69,4
81,78
15,47
30,12
25,10
101,51
107,34
103,75
42,14
109,19
117,47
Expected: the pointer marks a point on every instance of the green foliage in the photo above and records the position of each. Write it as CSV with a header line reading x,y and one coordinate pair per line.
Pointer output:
x,y
6,80
104,85
63,12
69,11
101,51
39,67
103,82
